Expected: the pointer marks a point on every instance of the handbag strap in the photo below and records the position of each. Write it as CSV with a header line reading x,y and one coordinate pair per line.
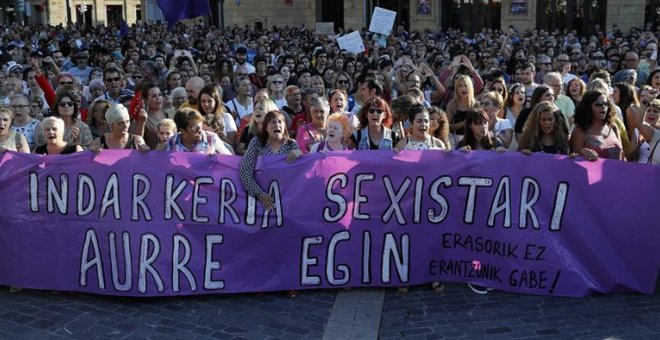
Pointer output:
x,y
655,146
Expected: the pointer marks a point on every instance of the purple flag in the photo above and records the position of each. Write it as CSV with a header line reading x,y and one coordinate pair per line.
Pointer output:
x,y
175,10
123,27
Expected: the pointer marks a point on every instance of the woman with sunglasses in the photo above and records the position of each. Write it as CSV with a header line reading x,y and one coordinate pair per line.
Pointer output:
x,y
595,135
492,103
546,131
375,127
192,137
275,86
76,131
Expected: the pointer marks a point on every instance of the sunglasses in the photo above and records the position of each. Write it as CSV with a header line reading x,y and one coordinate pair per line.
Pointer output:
x,y
113,79
277,82
602,104
343,82
66,83
137,77
375,110
65,104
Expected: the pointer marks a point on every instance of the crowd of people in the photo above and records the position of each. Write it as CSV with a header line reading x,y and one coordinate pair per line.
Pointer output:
x,y
290,91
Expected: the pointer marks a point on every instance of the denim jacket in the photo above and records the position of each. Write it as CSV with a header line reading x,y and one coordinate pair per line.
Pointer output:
x,y
387,143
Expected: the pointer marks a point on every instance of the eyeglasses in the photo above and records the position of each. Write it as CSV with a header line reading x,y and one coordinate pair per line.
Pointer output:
x,y
18,106
602,104
65,104
375,110
66,83
277,82
109,80
487,103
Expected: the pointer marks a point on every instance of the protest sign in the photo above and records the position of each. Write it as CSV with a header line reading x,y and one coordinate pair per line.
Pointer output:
x,y
156,224
382,21
351,42
325,28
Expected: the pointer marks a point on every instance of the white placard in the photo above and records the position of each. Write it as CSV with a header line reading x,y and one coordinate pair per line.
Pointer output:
x,y
351,42
325,28
382,21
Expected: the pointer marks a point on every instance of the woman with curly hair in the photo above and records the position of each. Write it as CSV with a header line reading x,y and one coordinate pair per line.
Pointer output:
x,y
595,134
545,131
375,123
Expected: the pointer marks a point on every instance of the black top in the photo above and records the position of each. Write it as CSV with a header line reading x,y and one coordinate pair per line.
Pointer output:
x,y
459,116
520,121
246,136
68,149
130,145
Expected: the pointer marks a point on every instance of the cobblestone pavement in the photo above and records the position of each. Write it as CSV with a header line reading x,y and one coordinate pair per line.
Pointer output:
x,y
419,314
460,313
43,315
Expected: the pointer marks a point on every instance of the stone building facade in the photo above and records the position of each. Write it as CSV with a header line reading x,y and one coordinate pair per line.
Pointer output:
x,y
470,15
93,12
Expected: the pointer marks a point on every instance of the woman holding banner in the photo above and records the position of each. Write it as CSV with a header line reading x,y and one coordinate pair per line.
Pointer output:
x,y
595,134
273,139
545,131
338,131
53,130
419,137
477,135
118,137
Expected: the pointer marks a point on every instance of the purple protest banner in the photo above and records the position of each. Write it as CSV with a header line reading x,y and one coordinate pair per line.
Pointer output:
x,y
124,223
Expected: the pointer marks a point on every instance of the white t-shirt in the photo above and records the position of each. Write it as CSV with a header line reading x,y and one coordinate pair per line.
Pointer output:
x,y
240,110
655,143
228,121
